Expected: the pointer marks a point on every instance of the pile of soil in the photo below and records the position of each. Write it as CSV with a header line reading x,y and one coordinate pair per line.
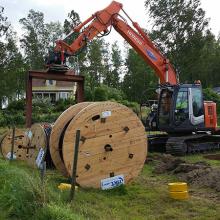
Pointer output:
x,y
212,157
165,163
199,173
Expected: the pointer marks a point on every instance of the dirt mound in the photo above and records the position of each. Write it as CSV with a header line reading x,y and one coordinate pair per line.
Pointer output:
x,y
165,163
212,157
209,177
199,173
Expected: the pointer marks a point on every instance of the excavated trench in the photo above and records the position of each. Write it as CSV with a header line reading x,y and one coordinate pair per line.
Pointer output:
x,y
212,157
200,173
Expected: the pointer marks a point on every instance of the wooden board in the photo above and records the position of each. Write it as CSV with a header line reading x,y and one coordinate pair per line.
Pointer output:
x,y
112,146
1,139
56,137
19,144
37,140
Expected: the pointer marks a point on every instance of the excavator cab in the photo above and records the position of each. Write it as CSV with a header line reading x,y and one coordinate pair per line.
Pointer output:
x,y
181,109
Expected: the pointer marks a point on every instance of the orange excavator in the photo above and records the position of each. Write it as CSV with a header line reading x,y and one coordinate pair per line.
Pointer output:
x,y
189,123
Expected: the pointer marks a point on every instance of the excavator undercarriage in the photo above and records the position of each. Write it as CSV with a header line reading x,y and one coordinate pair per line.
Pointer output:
x,y
183,145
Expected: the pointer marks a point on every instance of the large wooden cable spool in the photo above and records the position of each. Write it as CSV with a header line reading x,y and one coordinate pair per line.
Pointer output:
x,y
113,142
38,139
27,143
20,141
56,137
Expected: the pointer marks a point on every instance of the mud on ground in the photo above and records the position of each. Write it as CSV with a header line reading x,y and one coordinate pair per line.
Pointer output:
x,y
200,173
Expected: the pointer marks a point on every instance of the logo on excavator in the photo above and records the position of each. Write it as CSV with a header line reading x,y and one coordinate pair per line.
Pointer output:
x,y
134,37
151,55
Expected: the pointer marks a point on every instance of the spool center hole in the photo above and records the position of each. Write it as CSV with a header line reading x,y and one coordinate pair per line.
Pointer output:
x,y
108,148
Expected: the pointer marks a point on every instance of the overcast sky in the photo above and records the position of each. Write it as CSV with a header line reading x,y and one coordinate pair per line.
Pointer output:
x,y
57,10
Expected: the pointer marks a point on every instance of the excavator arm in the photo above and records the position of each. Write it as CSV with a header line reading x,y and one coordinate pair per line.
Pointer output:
x,y
99,24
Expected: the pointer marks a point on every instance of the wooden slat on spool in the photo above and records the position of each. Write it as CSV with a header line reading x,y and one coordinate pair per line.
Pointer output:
x,y
56,137
109,146
1,139
19,145
38,138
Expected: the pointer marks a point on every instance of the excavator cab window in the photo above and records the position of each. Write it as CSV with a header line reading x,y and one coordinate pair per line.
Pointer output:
x,y
197,102
196,105
181,108
165,107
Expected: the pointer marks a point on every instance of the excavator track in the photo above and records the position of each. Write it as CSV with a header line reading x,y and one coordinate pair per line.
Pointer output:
x,y
183,145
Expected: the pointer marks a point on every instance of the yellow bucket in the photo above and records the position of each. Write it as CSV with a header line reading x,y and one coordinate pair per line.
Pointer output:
x,y
177,187
178,190
179,195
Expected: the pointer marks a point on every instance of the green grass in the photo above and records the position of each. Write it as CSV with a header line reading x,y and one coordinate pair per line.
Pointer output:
x,y
20,194
23,197
200,157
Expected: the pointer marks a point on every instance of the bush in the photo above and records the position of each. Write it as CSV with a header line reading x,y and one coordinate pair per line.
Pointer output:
x,y
88,94
8,118
3,121
43,111
103,93
16,105
100,94
115,94
50,118
18,118
210,95
133,105
62,104
42,106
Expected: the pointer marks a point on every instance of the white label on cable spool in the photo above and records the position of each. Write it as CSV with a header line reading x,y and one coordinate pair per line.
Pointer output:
x,y
9,156
40,157
112,182
29,134
106,114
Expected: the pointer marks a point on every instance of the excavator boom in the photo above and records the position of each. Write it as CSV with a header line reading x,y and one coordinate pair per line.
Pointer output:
x,y
101,21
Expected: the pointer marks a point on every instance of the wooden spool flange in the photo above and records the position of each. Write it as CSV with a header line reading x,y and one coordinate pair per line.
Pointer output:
x,y
1,139
56,137
113,142
20,153
38,138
